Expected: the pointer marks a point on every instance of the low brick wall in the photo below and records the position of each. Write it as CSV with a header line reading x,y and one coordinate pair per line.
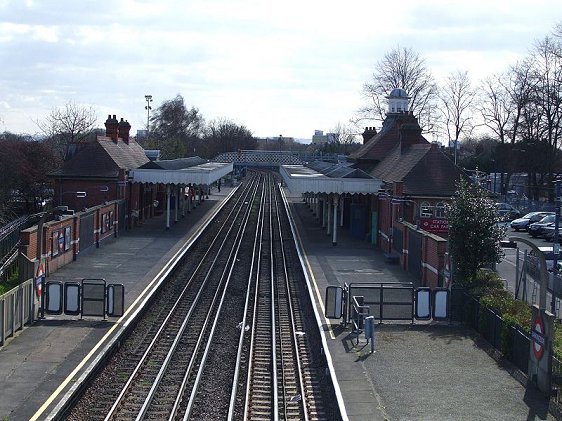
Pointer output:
x,y
432,253
61,237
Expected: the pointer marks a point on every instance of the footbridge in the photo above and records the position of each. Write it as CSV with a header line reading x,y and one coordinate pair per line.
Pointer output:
x,y
272,160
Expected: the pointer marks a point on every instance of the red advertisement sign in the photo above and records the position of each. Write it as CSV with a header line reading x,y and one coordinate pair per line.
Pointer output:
x,y
434,225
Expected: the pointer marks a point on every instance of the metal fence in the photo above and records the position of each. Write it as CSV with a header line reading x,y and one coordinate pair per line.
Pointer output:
x,y
512,340
16,309
9,242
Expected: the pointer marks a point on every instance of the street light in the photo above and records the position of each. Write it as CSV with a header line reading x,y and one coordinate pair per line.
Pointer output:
x,y
148,108
555,246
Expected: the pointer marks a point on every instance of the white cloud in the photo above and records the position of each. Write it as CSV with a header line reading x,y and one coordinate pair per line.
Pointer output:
x,y
277,67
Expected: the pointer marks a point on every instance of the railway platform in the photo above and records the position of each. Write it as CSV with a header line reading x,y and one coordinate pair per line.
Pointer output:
x,y
421,371
42,363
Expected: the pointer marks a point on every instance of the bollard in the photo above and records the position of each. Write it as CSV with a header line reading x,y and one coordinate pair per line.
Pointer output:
x,y
370,331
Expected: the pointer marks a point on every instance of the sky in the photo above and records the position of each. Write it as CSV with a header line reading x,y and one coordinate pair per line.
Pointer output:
x,y
278,68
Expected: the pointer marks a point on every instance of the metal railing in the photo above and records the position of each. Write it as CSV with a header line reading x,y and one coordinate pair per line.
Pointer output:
x,y
17,308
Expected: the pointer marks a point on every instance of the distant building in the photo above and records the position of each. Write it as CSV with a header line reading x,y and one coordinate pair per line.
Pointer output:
x,y
142,134
319,138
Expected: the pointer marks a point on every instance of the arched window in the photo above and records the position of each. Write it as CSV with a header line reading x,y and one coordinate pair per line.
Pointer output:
x,y
440,210
426,210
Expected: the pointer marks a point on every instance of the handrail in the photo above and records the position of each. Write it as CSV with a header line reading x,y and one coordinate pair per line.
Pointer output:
x,y
358,316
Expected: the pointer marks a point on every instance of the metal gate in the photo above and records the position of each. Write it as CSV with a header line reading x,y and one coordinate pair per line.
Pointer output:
x,y
87,221
415,255
386,301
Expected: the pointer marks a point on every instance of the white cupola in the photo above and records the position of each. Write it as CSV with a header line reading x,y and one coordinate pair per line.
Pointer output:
x,y
397,101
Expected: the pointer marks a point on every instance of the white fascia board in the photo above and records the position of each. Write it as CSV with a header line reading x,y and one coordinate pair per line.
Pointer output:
x,y
200,174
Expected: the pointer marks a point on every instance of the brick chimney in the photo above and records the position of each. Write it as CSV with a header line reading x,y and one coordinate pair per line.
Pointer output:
x,y
123,130
111,128
368,134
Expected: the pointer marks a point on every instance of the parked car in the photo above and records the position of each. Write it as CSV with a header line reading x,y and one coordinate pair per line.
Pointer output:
x,y
506,212
524,222
536,229
548,232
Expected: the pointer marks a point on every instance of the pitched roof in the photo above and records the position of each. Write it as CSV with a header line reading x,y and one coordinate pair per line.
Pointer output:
x,y
389,136
399,153
174,164
103,158
423,169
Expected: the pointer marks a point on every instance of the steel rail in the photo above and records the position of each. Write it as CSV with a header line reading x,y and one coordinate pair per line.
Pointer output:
x,y
295,342
153,342
255,263
203,360
254,337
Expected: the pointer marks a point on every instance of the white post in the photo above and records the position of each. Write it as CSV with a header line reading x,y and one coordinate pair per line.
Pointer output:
x,y
335,234
341,211
168,194
182,198
324,212
329,211
177,204
317,206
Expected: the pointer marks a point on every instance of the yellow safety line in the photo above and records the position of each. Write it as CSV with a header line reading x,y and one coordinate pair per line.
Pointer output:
x,y
66,381
69,378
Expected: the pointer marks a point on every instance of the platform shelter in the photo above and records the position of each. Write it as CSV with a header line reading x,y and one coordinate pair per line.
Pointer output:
x,y
182,181
334,192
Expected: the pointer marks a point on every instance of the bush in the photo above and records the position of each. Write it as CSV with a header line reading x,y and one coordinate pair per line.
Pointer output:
x,y
12,282
483,282
513,312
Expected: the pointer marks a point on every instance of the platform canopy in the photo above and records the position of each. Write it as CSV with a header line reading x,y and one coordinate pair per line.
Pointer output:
x,y
328,178
169,173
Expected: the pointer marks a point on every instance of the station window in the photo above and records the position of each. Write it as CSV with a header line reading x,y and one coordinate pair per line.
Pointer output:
x,y
440,210
426,210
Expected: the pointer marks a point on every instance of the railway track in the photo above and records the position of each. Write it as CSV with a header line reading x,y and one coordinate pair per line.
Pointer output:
x,y
227,338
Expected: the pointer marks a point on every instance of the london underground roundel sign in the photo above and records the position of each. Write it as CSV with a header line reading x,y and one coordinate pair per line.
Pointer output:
x,y
538,338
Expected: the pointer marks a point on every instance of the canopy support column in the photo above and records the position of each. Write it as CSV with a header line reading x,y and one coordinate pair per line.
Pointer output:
x,y
329,212
317,206
341,210
182,198
168,194
335,234
176,203
324,211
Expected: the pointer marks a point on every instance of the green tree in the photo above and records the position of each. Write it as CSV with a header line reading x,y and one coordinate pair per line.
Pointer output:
x,y
23,179
474,233
175,129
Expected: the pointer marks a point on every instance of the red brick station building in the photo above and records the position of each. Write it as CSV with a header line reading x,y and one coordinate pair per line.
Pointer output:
x,y
391,192
108,185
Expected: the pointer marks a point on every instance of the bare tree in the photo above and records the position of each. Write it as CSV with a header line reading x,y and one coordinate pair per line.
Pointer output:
x,y
222,135
456,108
402,68
342,139
71,123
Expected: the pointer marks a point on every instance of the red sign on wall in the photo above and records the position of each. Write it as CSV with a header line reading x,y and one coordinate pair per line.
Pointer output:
x,y
434,225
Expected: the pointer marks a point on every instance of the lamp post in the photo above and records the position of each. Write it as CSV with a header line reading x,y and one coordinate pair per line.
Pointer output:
x,y
148,99
555,247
